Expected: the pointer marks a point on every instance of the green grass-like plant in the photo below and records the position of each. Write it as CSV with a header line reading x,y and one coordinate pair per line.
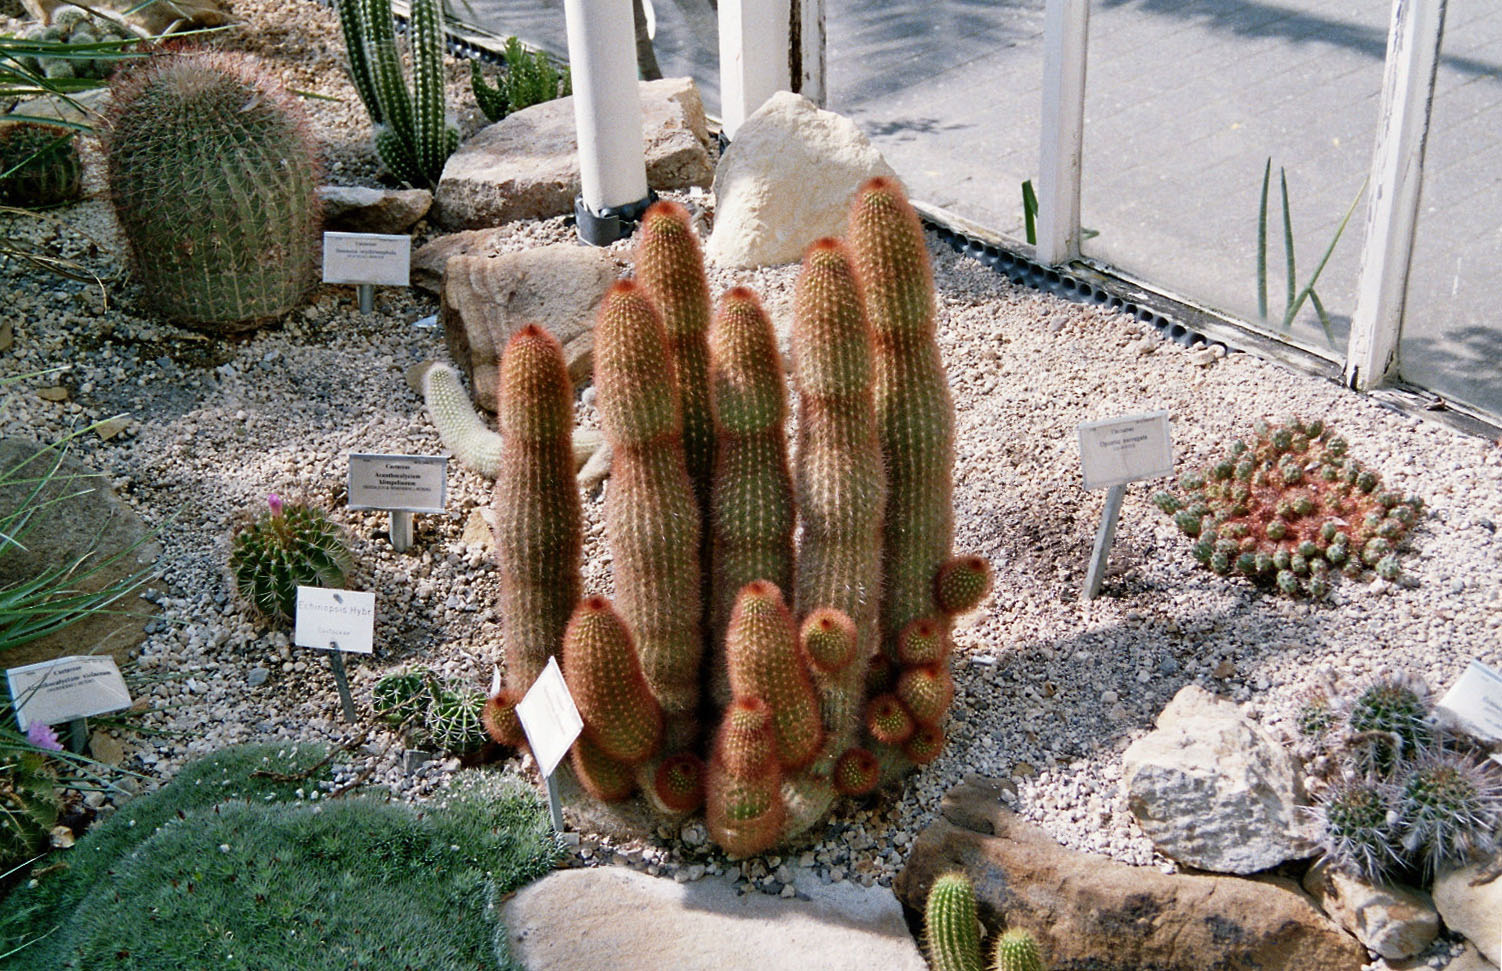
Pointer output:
x,y
529,78
227,868
1295,297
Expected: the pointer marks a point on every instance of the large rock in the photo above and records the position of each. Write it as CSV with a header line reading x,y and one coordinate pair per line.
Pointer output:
x,y
86,520
1393,921
155,18
1471,904
614,919
1092,912
526,166
1213,790
787,180
358,209
486,298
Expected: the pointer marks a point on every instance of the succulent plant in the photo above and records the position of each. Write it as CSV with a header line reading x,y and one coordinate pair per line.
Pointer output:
x,y
1016,950
1358,833
856,773
679,782
1387,721
1448,807
529,78
604,778
924,641
453,723
403,697
39,165
97,45
961,584
29,805
214,179
500,720
888,720
599,662
290,545
474,444
761,647
926,692
925,744
951,929
1291,509
743,798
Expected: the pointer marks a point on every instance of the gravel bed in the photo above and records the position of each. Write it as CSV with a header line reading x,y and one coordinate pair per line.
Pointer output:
x,y
1049,690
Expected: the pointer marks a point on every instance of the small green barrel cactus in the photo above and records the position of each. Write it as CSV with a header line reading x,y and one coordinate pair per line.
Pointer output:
x,y
1448,808
761,645
214,179
599,662
453,723
39,165
403,697
1388,719
951,929
29,805
290,545
1358,832
1016,950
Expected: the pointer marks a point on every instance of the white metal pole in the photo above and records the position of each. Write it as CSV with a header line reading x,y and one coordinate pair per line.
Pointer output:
x,y
1397,176
812,84
607,109
753,57
1066,29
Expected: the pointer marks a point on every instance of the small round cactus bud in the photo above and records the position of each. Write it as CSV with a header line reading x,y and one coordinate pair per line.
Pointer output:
x,y
828,640
1375,549
1416,504
961,584
1167,502
1298,563
1308,550
1238,447
500,721
1330,473
1220,562
1247,563
1372,521
1187,522
887,721
1282,440
856,773
1016,950
923,642
1281,559
1227,545
1366,481
1315,429
1403,514
1318,567
1318,587
926,692
925,744
1287,582
679,782
1203,550
1388,498
1191,482
1352,567
1284,509
1276,530
1245,469
1391,528
1199,508
1264,563
1236,530
1222,471
1337,552
1387,568
1303,506
1300,444
1328,530
1292,472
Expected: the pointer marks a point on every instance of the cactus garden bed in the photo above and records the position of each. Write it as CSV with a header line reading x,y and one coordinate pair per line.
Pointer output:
x,y
1047,690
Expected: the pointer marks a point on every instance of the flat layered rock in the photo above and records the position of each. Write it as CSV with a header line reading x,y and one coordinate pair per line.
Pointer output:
x,y
359,209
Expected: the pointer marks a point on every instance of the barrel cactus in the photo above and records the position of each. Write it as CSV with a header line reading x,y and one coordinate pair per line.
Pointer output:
x,y
290,545
1016,950
39,165
214,177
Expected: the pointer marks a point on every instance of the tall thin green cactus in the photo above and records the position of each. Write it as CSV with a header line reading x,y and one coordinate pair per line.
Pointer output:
x,y
950,927
413,136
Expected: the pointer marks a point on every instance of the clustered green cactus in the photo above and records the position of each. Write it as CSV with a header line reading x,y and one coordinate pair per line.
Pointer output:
x,y
725,620
529,78
289,545
1405,796
29,805
39,165
214,179
94,45
446,713
1291,509
412,133
951,932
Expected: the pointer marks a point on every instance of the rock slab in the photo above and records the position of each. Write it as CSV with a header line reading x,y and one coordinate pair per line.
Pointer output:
x,y
1213,790
485,299
1393,921
615,919
1471,904
787,180
359,209
526,166
1088,911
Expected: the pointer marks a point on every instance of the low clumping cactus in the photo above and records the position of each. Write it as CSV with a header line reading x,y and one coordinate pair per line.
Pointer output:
x,y
29,805
1358,834
39,165
87,59
288,546
1388,722
402,698
1448,807
529,78
453,721
1291,509
1016,950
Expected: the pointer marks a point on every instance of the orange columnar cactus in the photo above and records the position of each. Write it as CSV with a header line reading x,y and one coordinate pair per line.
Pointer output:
x,y
744,808
761,646
651,518
599,663
914,410
538,533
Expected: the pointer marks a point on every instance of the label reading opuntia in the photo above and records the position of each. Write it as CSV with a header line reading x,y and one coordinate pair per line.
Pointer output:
x,y
549,718
335,620
402,483
1115,451
60,690
1475,701
367,258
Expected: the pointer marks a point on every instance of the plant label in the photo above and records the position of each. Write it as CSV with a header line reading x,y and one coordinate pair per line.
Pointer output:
x,y
1475,701
61,690
367,258
335,620
549,717
400,483
1115,451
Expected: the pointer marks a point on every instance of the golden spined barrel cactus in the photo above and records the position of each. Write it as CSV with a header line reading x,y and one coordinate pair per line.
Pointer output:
x,y
651,518
214,179
538,531
914,410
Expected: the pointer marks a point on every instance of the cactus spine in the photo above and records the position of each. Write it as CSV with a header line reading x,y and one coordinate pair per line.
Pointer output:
x,y
651,518
761,645
914,411
744,808
599,662
601,776
951,928
751,503
538,532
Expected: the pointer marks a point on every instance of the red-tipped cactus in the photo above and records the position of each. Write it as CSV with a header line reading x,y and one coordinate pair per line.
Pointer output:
x,y
599,663
679,782
651,518
603,777
752,498
744,808
856,773
500,721
925,744
926,692
537,525
828,639
961,584
888,721
924,641
914,411
761,646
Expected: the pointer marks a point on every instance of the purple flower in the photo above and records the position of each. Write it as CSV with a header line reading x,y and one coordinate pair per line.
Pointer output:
x,y
43,737
275,502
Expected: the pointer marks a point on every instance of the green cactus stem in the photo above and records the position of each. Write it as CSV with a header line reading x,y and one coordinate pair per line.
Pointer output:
x,y
961,584
453,722
39,165
951,929
914,410
761,645
288,546
538,522
599,663
1016,950
743,807
29,805
403,697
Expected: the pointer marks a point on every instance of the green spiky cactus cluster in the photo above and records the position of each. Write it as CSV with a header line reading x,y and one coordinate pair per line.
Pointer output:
x,y
951,932
1291,509
446,713
39,165
402,697
29,805
529,78
1405,797
288,546
412,133
94,45
214,180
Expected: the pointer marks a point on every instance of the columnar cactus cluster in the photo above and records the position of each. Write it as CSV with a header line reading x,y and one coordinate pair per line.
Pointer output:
x,y
1290,509
780,678
951,932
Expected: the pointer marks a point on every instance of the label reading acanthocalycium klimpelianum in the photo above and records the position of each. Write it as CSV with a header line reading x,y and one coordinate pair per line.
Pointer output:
x,y
549,717
367,258
401,483
1115,451
60,690
335,620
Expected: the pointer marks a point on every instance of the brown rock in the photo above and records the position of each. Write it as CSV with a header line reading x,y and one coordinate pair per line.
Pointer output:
x,y
526,166
486,298
1393,921
1092,912
357,209
155,18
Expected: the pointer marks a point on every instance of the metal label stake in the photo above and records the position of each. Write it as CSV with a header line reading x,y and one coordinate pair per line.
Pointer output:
x,y
366,294
401,530
1103,537
341,681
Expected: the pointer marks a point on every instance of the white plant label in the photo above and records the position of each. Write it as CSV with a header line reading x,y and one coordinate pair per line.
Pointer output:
x,y
549,717
367,258
335,620
1115,451
52,692
401,483
1475,701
